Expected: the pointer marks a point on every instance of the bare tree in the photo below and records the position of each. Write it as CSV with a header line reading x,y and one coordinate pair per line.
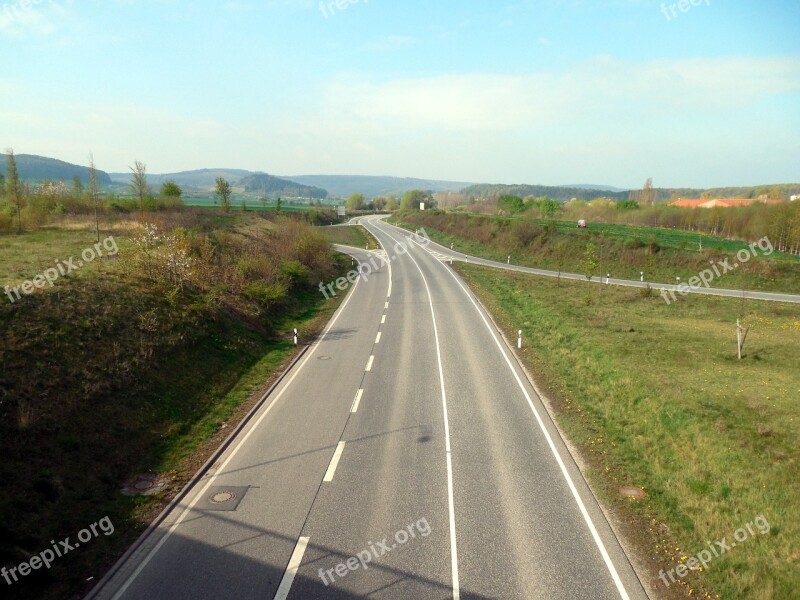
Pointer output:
x,y
94,193
648,194
139,184
14,188
223,191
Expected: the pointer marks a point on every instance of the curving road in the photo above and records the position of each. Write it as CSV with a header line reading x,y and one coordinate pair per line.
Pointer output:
x,y
405,455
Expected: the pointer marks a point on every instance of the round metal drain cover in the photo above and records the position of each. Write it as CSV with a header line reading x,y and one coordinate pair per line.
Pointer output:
x,y
324,358
223,497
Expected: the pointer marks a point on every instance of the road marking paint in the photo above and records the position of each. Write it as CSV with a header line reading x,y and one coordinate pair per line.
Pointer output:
x,y
386,305
334,463
448,452
378,338
369,363
579,501
357,401
235,449
291,570
383,319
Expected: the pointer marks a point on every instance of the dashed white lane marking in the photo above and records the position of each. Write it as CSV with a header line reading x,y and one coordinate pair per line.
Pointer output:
x,y
334,462
369,363
378,338
291,570
357,401
383,319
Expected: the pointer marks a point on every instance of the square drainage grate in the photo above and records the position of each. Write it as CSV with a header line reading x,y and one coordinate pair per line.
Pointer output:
x,y
220,497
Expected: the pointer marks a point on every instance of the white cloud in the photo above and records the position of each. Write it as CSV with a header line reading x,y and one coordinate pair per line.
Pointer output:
x,y
20,18
603,86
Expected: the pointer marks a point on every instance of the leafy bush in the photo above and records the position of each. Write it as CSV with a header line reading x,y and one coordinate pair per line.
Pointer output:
x,y
264,293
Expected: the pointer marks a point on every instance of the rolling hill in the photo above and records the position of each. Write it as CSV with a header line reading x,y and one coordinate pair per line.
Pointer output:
x,y
38,168
200,178
372,186
267,185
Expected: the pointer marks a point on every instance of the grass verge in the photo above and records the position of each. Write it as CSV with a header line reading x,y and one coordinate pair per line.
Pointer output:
x,y
351,235
654,396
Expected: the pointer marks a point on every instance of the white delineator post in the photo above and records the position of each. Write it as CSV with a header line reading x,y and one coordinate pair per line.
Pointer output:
x,y
519,340
295,336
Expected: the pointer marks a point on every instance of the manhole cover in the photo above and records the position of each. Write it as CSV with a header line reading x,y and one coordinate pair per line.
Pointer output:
x,y
324,358
631,491
223,497
146,484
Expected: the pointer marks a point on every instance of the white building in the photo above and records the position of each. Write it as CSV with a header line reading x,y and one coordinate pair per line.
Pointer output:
x,y
793,198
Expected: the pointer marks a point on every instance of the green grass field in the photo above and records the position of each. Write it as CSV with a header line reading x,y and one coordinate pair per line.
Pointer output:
x,y
351,235
654,396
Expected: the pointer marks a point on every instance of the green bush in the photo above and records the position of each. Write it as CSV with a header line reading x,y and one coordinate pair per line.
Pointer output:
x,y
294,272
264,293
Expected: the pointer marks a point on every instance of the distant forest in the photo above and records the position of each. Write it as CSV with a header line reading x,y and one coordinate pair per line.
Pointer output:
x,y
267,185
485,191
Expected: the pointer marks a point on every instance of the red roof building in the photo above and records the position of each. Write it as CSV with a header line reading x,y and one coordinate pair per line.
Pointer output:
x,y
720,202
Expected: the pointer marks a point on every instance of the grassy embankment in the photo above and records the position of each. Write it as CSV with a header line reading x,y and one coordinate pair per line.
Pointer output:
x,y
654,396
112,373
351,235
624,251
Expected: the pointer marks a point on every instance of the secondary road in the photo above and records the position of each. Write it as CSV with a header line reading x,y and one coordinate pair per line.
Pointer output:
x,y
447,254
404,456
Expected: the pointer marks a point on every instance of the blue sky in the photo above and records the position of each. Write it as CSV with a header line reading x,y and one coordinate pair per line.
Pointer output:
x,y
539,91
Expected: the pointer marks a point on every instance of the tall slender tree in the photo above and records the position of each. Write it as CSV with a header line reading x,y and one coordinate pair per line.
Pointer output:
x,y
14,188
139,184
648,193
94,192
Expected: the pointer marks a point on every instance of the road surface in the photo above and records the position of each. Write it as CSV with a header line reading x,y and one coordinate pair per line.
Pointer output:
x,y
405,455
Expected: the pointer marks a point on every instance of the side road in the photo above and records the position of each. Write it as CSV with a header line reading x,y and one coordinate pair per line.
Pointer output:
x,y
672,290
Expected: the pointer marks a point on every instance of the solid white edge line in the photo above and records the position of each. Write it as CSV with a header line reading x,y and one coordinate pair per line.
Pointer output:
x,y
337,454
378,338
291,570
581,506
357,401
450,492
369,363
233,451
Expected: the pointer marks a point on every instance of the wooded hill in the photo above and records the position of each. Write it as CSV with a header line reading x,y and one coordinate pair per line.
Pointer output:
x,y
31,167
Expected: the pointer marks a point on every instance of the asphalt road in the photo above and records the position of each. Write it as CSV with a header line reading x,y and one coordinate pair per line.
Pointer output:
x,y
405,455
